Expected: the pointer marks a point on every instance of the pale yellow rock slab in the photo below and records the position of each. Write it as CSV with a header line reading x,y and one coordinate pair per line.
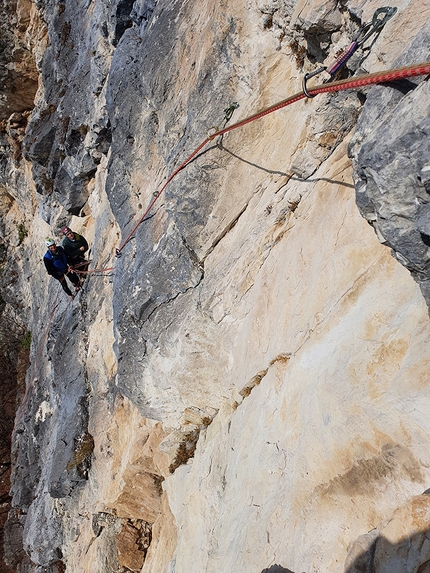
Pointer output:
x,y
332,439
403,543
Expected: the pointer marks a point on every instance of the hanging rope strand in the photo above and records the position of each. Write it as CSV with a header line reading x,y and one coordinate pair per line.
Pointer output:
x,y
347,84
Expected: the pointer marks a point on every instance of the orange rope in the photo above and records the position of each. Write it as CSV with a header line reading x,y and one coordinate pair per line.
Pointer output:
x,y
75,268
182,165
349,83
105,270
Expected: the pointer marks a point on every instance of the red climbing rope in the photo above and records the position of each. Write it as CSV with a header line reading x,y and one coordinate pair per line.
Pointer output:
x,y
93,271
349,83
157,195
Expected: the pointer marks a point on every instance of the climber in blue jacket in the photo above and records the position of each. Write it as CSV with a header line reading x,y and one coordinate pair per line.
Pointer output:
x,y
57,266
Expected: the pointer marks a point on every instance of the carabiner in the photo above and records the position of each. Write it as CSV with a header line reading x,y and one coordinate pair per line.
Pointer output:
x,y
376,24
228,112
388,12
307,77
366,30
212,135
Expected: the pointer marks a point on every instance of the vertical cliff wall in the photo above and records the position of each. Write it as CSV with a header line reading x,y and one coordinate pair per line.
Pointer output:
x,y
246,387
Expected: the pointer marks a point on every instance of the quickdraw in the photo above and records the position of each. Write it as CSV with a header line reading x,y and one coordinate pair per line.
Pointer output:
x,y
379,19
347,84
228,112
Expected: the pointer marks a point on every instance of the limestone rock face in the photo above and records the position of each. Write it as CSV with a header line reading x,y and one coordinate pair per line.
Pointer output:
x,y
245,388
398,544
18,76
391,156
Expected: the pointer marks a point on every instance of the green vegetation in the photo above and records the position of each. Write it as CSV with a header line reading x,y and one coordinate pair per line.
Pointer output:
x,y
26,340
22,232
84,447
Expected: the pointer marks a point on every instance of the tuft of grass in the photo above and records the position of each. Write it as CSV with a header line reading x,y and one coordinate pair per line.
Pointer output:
x,y
299,53
26,340
22,232
185,450
83,449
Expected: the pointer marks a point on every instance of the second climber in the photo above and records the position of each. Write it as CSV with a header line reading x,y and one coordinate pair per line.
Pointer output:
x,y
75,247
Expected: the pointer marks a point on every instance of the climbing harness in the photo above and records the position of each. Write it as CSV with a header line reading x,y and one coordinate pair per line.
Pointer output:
x,y
379,19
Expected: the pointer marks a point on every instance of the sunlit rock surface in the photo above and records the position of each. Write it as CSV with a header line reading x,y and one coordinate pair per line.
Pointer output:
x,y
246,388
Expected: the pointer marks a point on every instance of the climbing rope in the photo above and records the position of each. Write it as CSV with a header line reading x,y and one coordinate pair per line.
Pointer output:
x,y
75,269
94,271
157,195
228,112
346,84
341,85
380,18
